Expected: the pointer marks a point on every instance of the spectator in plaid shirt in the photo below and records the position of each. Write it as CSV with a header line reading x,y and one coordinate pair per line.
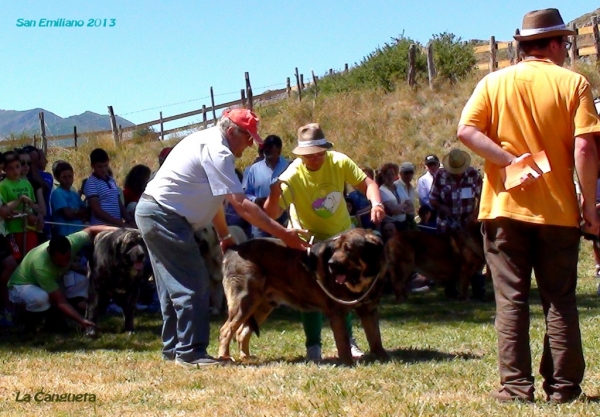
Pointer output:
x,y
456,191
455,195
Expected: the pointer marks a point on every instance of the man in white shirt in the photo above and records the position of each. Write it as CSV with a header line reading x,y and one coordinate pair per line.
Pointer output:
x,y
425,182
186,194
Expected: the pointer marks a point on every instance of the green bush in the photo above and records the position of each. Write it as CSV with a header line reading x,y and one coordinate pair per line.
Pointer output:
x,y
454,59
382,68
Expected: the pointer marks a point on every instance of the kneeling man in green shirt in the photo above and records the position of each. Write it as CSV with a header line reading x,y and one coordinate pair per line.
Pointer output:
x,y
40,280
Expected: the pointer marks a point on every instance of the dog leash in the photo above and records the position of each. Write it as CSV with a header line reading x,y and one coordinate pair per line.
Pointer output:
x,y
83,226
333,238
353,302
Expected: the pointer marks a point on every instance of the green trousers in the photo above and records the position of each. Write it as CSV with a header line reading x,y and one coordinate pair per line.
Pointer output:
x,y
313,323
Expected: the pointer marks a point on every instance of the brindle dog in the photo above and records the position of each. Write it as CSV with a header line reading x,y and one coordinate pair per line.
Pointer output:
x,y
451,258
260,274
116,270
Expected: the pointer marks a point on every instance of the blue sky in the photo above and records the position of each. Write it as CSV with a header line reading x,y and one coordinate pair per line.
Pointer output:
x,y
159,53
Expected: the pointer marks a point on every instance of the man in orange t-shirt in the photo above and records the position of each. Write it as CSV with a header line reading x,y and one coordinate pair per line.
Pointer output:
x,y
513,113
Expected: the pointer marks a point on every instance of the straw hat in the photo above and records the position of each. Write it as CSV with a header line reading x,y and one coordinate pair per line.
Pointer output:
x,y
540,24
457,161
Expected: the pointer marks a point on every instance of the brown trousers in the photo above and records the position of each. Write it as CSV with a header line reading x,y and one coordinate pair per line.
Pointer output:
x,y
512,250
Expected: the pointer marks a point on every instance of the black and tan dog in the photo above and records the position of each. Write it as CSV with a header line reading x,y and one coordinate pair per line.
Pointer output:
x,y
451,258
260,274
116,270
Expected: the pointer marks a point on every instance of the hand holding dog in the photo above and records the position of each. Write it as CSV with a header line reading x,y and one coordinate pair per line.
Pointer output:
x,y
292,239
87,324
226,244
377,214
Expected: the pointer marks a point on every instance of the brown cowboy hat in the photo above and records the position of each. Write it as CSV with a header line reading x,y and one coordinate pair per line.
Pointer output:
x,y
540,24
311,139
457,161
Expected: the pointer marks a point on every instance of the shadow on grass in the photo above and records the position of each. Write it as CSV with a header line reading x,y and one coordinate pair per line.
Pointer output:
x,y
408,356
431,307
111,337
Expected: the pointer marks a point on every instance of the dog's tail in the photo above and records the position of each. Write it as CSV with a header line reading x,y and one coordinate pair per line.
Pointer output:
x,y
254,325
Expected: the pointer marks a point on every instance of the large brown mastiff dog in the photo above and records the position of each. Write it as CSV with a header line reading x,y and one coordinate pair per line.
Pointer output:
x,y
260,274
451,258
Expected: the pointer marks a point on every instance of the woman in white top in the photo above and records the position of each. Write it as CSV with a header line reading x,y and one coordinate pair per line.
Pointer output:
x,y
394,197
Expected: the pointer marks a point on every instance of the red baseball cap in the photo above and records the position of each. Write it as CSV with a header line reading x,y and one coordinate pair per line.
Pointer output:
x,y
245,119
165,152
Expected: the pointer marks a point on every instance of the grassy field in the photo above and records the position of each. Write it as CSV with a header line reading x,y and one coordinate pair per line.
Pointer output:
x,y
443,352
443,363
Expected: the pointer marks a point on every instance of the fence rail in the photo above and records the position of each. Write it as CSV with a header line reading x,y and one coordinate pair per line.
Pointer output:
x,y
586,43
246,99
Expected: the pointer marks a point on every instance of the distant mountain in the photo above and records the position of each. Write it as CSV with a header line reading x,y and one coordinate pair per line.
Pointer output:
x,y
27,121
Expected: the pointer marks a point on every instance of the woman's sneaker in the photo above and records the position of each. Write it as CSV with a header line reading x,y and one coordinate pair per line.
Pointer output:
x,y
356,351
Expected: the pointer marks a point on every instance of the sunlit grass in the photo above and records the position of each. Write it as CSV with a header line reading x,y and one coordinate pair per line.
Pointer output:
x,y
443,363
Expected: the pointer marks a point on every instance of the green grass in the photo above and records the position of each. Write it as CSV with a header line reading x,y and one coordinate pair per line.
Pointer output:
x,y
443,363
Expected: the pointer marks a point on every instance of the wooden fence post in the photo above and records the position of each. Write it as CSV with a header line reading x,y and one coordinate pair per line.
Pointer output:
x,y
302,81
573,52
493,47
596,34
298,85
412,50
212,102
34,140
243,97
249,91
120,133
518,47
345,68
75,136
44,144
162,130
204,121
511,53
113,124
288,87
315,82
430,65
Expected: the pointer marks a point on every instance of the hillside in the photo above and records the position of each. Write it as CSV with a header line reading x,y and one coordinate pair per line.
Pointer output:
x,y
586,19
27,121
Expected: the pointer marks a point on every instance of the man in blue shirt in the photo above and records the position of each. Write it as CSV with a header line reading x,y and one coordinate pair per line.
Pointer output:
x,y
258,178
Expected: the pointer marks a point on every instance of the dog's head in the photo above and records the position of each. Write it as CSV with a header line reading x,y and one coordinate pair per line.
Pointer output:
x,y
132,250
352,260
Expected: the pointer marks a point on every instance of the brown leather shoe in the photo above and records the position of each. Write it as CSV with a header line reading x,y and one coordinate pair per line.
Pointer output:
x,y
558,398
504,396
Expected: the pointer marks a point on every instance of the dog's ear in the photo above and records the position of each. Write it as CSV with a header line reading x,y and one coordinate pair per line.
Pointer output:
x,y
373,249
320,253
